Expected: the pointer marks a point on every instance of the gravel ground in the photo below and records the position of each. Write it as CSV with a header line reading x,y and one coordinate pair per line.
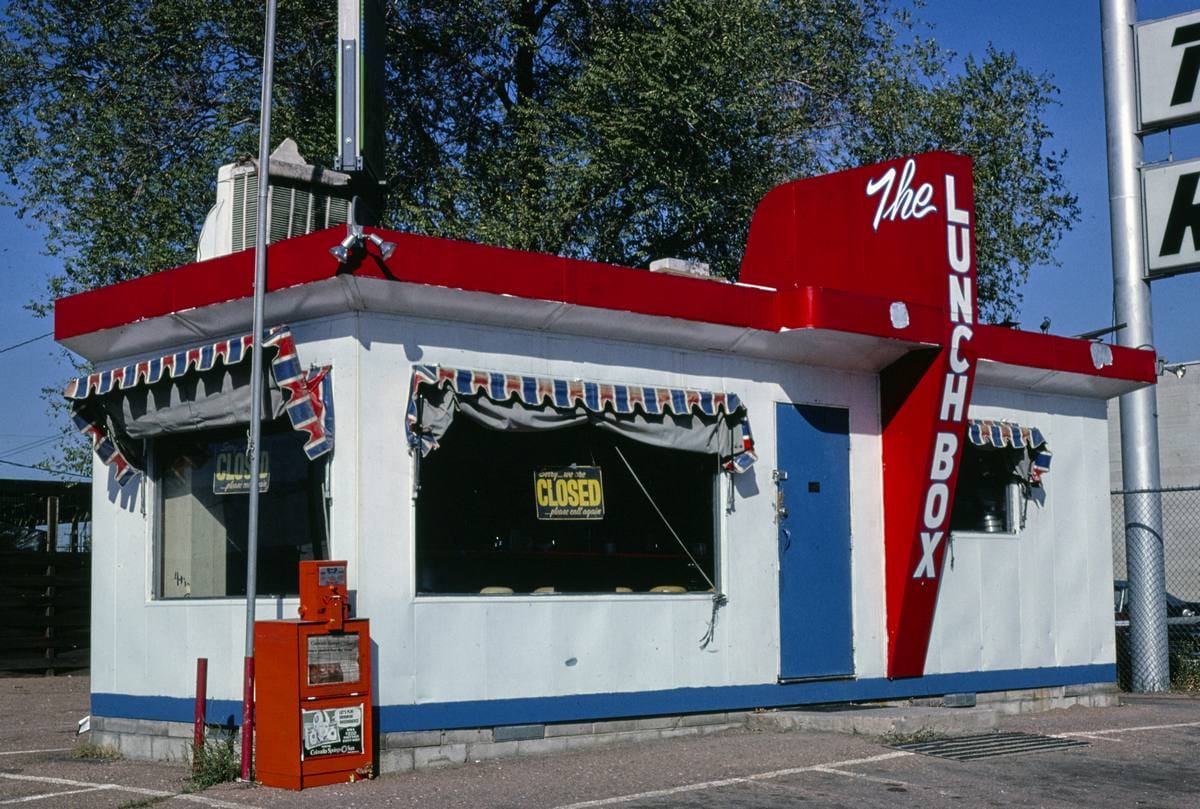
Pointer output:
x,y
1140,754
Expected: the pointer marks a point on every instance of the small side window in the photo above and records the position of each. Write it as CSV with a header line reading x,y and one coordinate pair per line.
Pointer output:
x,y
987,491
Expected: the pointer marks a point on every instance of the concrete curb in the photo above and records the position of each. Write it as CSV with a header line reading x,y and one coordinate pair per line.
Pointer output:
x,y
872,721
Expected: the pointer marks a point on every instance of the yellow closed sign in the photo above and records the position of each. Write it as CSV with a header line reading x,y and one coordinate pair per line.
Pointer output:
x,y
569,493
232,472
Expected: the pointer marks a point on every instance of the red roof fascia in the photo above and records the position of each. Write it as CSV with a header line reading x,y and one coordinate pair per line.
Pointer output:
x,y
839,310
502,271
419,260
1054,353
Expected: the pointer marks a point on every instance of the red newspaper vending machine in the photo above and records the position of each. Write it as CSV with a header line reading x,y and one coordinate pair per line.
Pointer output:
x,y
313,688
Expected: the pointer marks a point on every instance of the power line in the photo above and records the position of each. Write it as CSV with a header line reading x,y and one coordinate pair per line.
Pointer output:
x,y
44,469
26,342
37,442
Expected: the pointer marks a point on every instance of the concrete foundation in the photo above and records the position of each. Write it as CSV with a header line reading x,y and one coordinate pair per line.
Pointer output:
x,y
402,752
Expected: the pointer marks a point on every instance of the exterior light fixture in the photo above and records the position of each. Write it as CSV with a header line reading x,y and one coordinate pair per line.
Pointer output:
x,y
355,238
385,248
1178,368
341,250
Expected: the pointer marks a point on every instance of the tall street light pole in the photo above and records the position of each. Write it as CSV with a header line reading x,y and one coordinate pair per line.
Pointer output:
x,y
1139,410
256,389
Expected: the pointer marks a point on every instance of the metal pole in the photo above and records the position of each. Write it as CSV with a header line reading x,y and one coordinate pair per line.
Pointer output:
x,y
200,719
256,389
1139,410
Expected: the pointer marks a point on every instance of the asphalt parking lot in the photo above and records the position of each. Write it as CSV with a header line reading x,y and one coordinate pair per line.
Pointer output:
x,y
1142,754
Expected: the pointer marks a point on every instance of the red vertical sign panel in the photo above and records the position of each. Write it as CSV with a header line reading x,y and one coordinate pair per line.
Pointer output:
x,y
924,400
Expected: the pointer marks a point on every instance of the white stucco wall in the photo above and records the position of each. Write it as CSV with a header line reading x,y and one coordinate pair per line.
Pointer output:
x,y
436,649
1042,597
1038,599
149,647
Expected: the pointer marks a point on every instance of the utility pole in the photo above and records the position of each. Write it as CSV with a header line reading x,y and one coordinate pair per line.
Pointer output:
x,y
1139,410
256,390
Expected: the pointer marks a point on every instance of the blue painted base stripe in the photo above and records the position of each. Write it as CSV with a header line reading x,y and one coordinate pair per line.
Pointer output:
x,y
588,707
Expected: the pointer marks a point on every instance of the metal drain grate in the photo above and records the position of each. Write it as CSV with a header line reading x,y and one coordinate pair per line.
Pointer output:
x,y
971,748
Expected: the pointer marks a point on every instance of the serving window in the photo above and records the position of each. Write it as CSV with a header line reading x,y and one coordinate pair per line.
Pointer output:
x,y
1002,464
590,489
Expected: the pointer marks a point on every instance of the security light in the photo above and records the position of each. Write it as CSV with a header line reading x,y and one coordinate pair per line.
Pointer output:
x,y
341,250
385,248
354,238
1177,368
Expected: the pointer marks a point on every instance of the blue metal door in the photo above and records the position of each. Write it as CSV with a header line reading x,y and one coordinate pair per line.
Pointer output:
x,y
813,511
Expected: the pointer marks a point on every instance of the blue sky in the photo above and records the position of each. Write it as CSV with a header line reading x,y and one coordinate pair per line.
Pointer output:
x,y
1059,38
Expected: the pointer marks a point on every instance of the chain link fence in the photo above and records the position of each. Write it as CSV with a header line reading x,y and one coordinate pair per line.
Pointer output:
x,y
1180,532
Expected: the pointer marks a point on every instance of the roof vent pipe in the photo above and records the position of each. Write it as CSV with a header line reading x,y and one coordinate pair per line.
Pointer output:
x,y
681,266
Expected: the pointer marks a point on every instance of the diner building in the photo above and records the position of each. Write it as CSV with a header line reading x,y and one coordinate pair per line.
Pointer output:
x,y
571,493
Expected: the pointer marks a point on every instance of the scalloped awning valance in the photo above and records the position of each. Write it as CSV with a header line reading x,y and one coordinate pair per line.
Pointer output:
x,y
680,418
198,388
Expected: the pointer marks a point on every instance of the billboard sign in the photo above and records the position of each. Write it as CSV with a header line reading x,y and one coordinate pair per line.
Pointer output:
x,y
1168,68
1171,217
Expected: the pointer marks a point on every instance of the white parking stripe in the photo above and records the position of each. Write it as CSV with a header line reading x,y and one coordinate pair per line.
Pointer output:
x,y
1091,737
863,777
27,752
1129,730
28,798
152,793
745,779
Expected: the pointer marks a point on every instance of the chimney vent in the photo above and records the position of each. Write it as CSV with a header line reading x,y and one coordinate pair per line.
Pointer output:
x,y
681,266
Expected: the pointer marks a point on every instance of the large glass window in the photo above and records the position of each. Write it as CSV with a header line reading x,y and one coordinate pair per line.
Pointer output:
x,y
560,511
203,484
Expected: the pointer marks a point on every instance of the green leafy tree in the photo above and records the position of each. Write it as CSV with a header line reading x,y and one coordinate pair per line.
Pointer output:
x,y
991,110
613,130
113,117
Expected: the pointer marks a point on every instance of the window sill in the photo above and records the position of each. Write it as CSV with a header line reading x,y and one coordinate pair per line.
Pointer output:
x,y
223,601
985,535
528,598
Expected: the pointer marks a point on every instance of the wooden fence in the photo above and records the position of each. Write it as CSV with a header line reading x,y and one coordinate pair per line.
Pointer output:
x,y
45,603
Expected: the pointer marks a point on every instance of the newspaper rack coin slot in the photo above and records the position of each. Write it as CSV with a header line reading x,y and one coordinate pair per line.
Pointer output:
x,y
313,688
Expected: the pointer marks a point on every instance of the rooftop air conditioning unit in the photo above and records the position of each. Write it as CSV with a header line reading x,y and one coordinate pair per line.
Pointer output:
x,y
303,198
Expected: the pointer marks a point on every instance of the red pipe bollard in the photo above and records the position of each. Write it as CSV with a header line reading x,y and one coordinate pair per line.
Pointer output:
x,y
247,717
201,699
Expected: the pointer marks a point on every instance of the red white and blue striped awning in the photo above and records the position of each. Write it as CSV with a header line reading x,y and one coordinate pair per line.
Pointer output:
x,y
596,397
307,395
1002,434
